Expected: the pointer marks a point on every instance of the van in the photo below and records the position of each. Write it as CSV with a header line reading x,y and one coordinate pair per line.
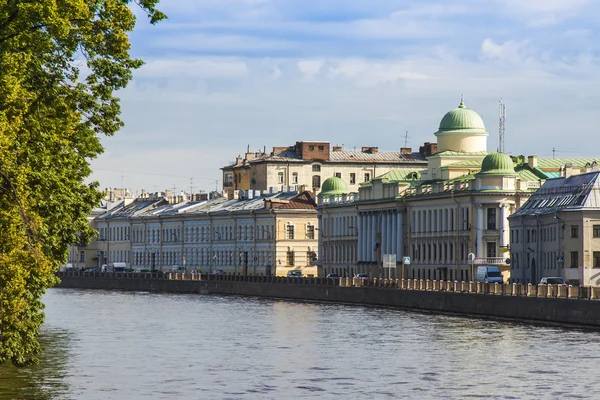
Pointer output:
x,y
488,274
117,267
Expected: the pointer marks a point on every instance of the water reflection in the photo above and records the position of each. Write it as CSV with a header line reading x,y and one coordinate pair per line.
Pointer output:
x,y
44,381
102,345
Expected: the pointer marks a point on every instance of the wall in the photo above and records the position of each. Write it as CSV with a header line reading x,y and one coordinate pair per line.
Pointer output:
x,y
578,312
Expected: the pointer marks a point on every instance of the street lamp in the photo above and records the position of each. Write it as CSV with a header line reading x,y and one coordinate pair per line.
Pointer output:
x,y
472,262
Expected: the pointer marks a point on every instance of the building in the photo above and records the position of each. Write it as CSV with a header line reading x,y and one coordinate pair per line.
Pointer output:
x,y
557,231
447,218
308,164
253,233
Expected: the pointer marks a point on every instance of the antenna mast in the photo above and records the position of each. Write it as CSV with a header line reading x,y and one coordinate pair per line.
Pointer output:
x,y
406,139
501,126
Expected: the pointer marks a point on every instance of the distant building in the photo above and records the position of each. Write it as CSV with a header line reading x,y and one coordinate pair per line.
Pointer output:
x,y
557,231
307,164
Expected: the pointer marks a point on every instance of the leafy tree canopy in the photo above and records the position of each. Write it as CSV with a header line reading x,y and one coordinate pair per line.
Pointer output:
x,y
60,63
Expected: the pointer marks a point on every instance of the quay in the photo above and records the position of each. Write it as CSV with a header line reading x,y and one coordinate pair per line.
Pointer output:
x,y
550,304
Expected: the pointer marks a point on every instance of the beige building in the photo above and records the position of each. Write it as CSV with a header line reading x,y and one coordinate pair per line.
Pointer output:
x,y
557,232
308,164
446,219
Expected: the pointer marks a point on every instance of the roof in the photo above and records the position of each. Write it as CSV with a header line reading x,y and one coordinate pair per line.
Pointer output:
x,y
461,120
138,206
342,156
460,153
564,194
333,186
497,164
545,163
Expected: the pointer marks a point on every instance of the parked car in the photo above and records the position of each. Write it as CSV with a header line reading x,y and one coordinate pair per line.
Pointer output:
x,y
552,280
295,274
218,272
333,276
362,275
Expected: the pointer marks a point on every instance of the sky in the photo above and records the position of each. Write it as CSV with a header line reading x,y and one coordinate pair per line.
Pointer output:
x,y
222,75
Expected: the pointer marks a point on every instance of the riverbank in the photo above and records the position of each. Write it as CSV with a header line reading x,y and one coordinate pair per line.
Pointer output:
x,y
520,303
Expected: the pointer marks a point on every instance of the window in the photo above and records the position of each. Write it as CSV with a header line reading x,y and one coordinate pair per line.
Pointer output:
x,y
321,148
596,259
352,178
574,231
316,168
574,259
310,231
280,177
289,232
290,258
491,218
596,231
310,256
316,182
491,249
82,256
311,148
367,177
338,174
294,178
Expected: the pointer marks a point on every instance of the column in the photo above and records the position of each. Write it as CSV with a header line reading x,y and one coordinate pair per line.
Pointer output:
x,y
384,247
359,233
479,233
372,237
394,226
504,228
320,237
390,229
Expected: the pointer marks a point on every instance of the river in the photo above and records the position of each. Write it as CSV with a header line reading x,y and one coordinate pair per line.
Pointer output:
x,y
124,345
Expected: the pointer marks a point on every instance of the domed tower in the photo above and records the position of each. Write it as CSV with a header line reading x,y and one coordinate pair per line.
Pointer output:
x,y
497,173
333,186
462,129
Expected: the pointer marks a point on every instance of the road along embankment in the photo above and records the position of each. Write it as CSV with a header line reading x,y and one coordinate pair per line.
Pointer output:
x,y
546,304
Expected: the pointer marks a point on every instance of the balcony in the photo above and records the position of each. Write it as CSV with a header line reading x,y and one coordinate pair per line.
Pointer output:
x,y
490,261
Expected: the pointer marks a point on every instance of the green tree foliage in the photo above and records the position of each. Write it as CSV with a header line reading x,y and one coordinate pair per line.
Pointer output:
x,y
60,63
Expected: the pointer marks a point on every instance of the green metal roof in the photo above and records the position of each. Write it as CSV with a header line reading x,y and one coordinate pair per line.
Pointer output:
x,y
462,120
460,153
465,164
560,162
497,164
334,186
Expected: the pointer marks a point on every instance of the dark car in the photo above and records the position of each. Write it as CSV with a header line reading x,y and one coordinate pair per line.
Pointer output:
x,y
552,280
294,274
333,276
218,272
362,275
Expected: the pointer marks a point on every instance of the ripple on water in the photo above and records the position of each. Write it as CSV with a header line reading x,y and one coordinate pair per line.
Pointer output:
x,y
161,346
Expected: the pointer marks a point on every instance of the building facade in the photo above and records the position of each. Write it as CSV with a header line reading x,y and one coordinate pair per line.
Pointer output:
x,y
308,164
557,231
447,218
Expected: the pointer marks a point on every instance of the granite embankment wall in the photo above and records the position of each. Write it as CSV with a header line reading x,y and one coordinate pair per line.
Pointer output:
x,y
526,306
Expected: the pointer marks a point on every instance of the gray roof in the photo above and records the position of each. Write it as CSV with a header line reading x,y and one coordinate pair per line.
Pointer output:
x,y
341,156
130,210
574,193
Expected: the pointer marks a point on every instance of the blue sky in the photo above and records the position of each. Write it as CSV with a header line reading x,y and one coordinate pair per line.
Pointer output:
x,y
224,74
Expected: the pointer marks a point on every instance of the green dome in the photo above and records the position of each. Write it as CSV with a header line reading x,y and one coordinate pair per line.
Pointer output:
x,y
462,120
497,164
334,186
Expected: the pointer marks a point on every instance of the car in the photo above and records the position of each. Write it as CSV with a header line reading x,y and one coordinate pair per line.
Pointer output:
x,y
295,274
333,276
552,280
218,272
362,275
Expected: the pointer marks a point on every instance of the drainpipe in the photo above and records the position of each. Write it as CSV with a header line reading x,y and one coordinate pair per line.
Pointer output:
x,y
456,245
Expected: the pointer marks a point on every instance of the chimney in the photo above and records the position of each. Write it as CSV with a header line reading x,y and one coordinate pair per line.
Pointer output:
x,y
405,150
428,149
337,148
532,161
369,150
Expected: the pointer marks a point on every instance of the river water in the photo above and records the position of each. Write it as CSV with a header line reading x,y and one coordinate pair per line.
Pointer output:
x,y
123,345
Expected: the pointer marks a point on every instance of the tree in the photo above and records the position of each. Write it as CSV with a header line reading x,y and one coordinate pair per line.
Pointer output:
x,y
60,63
